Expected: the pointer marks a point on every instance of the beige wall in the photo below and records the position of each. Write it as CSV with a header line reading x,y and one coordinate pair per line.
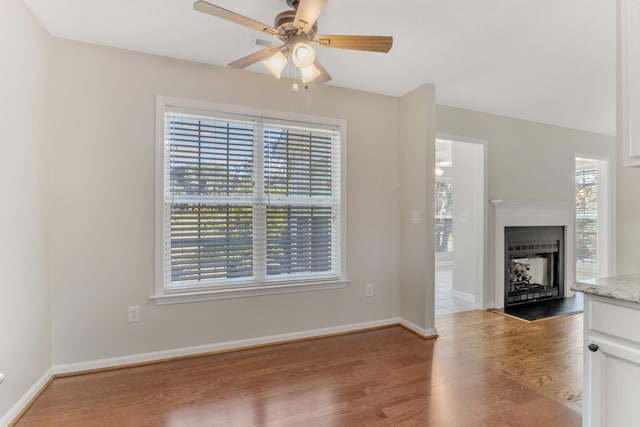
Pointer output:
x,y
416,141
102,219
25,334
627,218
627,196
525,160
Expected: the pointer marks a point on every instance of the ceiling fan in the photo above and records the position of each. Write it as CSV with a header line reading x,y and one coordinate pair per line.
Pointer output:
x,y
297,29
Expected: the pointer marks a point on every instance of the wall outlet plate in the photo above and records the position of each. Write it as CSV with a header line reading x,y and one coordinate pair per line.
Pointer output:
x,y
134,313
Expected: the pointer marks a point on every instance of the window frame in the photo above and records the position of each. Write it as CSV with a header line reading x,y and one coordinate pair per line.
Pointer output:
x,y
162,295
605,211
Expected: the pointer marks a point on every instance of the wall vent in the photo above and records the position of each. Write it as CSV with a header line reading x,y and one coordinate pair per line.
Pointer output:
x,y
257,41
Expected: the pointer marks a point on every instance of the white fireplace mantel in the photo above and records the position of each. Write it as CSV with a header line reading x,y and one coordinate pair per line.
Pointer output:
x,y
526,213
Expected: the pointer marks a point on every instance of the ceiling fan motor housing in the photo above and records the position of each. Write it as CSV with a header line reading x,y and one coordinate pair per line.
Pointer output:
x,y
284,24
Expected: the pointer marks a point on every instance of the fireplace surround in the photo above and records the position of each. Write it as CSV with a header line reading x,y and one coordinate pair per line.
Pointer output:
x,y
517,213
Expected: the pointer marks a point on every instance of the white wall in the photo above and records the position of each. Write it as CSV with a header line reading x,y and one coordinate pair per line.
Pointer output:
x,y
416,160
102,219
468,218
25,314
526,160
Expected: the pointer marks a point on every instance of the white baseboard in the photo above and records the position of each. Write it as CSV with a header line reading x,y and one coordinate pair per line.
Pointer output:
x,y
463,295
22,403
420,331
19,406
211,348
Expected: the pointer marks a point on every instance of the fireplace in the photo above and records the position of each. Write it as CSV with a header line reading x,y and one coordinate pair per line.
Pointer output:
x,y
524,214
534,264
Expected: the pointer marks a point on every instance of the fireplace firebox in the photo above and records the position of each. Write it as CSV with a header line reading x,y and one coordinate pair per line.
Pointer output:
x,y
534,262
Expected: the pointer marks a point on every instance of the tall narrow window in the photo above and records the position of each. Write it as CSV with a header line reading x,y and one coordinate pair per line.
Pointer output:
x,y
248,201
443,238
587,221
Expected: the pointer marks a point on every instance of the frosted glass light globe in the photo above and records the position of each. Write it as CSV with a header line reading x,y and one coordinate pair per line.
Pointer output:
x,y
303,55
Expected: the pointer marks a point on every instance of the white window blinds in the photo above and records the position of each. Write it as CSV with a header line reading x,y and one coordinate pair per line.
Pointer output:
x,y
443,231
249,201
587,217
303,192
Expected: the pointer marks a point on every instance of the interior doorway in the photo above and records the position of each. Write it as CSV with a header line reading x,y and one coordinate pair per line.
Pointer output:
x,y
459,238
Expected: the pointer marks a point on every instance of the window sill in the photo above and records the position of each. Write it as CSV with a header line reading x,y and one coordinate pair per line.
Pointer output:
x,y
253,291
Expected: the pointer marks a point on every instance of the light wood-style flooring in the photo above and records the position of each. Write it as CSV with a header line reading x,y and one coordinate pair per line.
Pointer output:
x,y
385,377
545,354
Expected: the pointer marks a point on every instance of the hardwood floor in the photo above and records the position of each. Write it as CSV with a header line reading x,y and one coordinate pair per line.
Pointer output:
x,y
545,354
386,377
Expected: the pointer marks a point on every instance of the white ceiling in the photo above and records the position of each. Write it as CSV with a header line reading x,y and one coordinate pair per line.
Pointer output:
x,y
550,61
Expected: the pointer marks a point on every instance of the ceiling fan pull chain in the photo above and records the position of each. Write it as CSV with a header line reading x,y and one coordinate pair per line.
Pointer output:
x,y
295,86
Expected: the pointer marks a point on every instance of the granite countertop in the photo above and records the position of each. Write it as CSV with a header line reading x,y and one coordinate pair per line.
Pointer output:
x,y
625,287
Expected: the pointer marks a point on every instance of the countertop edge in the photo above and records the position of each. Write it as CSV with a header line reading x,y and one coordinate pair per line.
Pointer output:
x,y
621,293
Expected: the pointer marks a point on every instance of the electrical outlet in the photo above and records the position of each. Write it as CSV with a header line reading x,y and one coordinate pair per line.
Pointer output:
x,y
134,313
1,377
369,289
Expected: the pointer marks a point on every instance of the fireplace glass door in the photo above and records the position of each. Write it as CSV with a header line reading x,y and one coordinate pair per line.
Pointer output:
x,y
533,263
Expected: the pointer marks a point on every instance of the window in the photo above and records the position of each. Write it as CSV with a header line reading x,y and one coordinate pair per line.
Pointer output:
x,y
249,202
593,228
443,238
587,217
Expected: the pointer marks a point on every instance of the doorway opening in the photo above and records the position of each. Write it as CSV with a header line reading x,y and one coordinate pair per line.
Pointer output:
x,y
459,239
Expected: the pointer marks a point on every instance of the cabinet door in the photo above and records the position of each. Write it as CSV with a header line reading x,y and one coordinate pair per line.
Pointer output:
x,y
615,383
630,80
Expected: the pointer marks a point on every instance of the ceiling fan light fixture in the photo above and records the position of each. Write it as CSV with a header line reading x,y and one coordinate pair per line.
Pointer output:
x,y
308,73
297,29
303,55
276,63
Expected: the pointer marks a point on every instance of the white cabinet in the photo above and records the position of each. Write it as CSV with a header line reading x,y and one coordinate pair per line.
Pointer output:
x,y
629,24
611,363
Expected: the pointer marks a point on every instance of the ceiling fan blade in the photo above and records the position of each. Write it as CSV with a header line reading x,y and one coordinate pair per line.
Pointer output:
x,y
368,43
253,58
307,13
212,9
324,75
